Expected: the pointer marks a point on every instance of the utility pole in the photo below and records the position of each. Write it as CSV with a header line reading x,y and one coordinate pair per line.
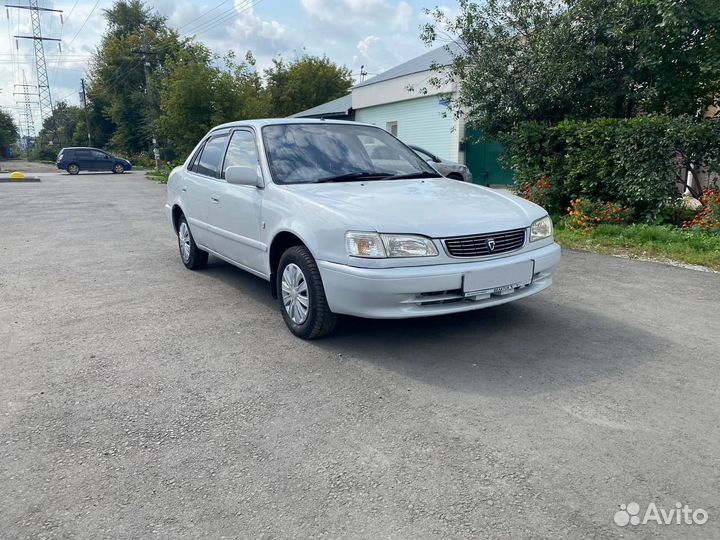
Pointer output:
x,y
87,117
43,84
146,66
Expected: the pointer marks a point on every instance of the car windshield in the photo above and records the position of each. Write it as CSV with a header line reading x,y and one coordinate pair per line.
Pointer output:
x,y
309,153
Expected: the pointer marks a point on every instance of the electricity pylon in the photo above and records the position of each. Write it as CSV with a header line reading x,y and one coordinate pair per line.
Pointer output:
x,y
43,84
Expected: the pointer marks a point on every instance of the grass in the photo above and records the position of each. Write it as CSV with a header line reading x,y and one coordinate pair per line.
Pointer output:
x,y
160,175
662,242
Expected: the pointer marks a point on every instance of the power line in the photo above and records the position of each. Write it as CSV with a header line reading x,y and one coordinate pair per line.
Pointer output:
x,y
223,17
84,23
202,15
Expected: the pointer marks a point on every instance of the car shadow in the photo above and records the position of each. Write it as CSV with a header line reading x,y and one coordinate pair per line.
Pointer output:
x,y
256,288
534,345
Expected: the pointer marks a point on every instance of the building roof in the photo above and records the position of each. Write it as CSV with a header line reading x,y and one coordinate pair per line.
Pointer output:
x,y
336,107
442,56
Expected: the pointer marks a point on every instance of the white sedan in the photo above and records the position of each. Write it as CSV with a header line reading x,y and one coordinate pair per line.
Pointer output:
x,y
305,205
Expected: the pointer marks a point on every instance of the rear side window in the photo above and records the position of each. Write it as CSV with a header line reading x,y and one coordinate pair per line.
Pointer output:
x,y
82,153
211,156
192,166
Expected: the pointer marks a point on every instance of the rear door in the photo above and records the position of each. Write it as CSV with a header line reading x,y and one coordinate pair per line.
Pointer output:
x,y
201,189
84,159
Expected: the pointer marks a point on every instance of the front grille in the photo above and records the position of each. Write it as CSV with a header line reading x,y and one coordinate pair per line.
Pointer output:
x,y
480,244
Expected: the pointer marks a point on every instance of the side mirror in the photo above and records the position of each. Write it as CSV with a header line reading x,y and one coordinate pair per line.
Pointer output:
x,y
242,176
436,159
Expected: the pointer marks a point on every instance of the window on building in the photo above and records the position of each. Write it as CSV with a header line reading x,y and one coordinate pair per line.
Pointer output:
x,y
392,128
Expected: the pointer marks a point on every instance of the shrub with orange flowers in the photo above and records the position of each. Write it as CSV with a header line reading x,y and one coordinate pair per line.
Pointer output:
x,y
708,218
541,192
584,214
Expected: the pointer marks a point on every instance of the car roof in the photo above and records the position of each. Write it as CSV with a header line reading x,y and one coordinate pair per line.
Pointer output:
x,y
82,148
262,122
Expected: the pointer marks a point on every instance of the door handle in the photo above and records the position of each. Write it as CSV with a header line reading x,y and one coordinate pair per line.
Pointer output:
x,y
215,198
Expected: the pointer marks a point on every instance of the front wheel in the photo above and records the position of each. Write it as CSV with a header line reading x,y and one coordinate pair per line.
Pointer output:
x,y
301,294
119,168
192,256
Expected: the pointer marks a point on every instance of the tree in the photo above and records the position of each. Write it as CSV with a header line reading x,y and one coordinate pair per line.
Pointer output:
x,y
549,60
196,94
304,83
8,129
136,44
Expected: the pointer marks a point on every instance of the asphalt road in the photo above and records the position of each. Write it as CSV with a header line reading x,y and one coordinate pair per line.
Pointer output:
x,y
141,400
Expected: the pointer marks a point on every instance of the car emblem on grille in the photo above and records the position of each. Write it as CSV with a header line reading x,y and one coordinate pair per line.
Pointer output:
x,y
490,244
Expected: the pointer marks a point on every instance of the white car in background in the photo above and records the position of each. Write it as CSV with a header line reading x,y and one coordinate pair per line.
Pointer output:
x,y
305,205
449,169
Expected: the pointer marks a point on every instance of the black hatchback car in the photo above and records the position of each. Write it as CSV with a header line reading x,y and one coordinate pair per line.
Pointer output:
x,y
76,159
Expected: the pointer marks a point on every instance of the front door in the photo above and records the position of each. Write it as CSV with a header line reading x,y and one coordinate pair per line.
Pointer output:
x,y
100,161
237,216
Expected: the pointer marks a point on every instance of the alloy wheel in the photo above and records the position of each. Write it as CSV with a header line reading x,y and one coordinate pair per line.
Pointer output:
x,y
184,237
295,293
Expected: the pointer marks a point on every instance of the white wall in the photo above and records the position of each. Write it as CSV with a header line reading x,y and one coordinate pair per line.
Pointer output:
x,y
422,121
394,90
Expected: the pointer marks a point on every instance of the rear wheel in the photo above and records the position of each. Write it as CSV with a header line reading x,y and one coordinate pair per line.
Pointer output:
x,y
192,256
119,168
456,176
73,168
302,298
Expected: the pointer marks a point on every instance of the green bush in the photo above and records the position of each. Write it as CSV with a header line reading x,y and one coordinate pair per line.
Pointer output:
x,y
632,162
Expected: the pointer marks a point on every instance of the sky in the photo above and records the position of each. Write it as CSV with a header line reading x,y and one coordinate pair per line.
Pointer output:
x,y
377,34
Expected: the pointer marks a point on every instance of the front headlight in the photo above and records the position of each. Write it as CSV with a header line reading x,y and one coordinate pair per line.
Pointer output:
x,y
541,228
380,246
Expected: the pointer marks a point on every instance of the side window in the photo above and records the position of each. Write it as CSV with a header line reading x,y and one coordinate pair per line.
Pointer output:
x,y
392,127
241,151
97,155
212,155
192,166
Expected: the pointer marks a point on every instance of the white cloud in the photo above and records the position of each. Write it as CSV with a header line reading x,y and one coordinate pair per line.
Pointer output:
x,y
375,33
360,12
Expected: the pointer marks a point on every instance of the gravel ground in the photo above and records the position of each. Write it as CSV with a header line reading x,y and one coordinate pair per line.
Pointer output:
x,y
141,400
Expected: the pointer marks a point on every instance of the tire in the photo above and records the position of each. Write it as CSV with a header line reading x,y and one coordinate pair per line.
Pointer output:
x,y
118,168
456,176
73,168
318,320
192,256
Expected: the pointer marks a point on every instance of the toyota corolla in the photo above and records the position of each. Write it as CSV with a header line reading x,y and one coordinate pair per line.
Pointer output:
x,y
339,227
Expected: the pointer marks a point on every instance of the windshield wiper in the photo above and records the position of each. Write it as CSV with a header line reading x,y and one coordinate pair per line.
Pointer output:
x,y
357,175
419,174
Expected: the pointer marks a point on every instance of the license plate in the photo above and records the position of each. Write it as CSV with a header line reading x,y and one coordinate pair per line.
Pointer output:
x,y
499,279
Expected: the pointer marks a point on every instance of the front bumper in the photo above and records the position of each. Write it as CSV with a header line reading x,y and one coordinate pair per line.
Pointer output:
x,y
423,291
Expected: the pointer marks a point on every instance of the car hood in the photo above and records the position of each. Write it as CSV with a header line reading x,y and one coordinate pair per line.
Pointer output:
x,y
435,207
